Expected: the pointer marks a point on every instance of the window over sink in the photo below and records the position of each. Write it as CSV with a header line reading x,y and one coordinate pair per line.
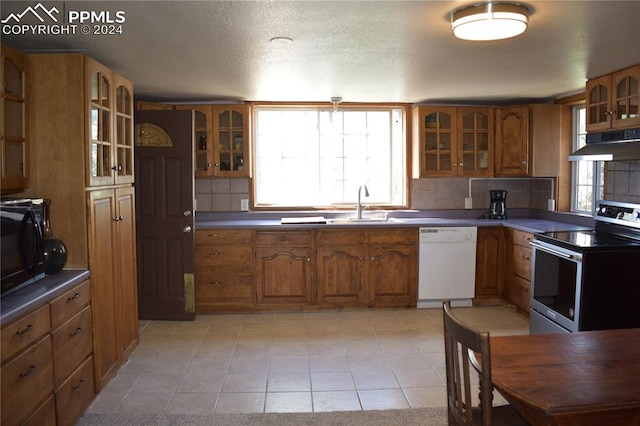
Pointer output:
x,y
318,157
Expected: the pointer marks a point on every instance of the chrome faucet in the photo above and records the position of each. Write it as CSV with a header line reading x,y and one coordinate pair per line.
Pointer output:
x,y
359,205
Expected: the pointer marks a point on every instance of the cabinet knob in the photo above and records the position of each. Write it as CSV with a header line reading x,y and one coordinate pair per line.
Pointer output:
x,y
75,296
186,213
215,282
118,219
186,229
214,253
117,168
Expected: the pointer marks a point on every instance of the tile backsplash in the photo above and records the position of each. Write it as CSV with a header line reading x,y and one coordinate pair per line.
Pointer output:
x,y
225,195
623,181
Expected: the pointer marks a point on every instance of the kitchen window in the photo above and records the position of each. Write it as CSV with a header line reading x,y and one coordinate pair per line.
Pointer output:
x,y
318,157
588,176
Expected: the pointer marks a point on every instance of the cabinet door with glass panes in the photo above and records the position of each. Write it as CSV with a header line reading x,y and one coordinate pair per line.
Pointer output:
x,y
102,167
435,130
475,140
202,139
613,100
231,140
123,146
14,152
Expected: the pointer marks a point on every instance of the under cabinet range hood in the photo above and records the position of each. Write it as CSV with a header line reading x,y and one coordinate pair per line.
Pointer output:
x,y
616,145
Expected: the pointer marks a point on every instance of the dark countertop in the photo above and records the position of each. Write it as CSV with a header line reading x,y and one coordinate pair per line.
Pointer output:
x,y
413,219
43,291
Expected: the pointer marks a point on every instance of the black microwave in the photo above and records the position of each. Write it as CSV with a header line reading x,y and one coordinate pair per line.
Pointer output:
x,y
22,221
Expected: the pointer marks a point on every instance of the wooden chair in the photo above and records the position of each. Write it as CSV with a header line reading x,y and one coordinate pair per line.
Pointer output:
x,y
462,346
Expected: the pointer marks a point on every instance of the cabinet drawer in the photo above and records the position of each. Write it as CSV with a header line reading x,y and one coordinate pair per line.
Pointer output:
x,y
23,332
45,415
26,382
72,343
216,287
219,255
521,257
286,238
408,236
223,236
75,395
342,237
520,292
522,238
70,303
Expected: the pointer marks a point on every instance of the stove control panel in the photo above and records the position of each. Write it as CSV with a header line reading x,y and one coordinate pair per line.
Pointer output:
x,y
618,212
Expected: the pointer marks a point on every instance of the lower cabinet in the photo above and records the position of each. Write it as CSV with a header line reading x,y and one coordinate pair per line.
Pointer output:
x,y
112,262
50,379
283,268
490,250
518,271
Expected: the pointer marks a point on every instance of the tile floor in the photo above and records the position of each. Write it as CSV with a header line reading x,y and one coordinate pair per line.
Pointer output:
x,y
292,362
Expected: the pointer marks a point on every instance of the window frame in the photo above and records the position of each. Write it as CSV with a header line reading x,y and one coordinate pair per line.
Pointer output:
x,y
406,144
597,187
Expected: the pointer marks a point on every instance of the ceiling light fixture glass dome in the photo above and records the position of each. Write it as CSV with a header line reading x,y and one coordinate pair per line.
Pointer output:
x,y
490,21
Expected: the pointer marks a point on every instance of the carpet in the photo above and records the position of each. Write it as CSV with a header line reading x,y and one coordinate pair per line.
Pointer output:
x,y
418,416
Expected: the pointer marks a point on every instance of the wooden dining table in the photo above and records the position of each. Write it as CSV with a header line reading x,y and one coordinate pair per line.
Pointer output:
x,y
585,378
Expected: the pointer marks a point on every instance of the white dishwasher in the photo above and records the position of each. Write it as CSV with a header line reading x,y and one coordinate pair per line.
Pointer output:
x,y
447,266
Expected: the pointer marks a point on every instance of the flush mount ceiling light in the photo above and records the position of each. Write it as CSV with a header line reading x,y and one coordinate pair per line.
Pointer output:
x,y
490,21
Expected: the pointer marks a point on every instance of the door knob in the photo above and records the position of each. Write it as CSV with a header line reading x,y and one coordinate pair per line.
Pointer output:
x,y
186,229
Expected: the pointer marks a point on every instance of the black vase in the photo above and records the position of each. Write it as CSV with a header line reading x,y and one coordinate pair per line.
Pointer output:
x,y
54,250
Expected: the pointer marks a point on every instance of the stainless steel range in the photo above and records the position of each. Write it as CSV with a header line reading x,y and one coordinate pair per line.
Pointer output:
x,y
588,280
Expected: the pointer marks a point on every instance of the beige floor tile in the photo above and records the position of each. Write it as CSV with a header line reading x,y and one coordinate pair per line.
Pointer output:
x,y
257,364
145,402
336,401
149,383
418,378
245,382
289,382
383,399
325,349
288,402
106,402
332,382
244,402
287,349
376,380
426,396
121,383
199,381
329,364
289,365
192,403
367,363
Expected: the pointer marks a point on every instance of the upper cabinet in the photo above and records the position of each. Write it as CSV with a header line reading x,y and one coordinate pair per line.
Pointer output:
x,y
231,134
221,140
528,141
453,141
613,100
13,122
110,126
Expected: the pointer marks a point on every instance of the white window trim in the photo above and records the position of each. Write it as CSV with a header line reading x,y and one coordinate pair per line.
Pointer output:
x,y
598,166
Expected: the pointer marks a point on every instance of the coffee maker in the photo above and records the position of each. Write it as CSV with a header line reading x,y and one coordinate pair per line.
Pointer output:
x,y
498,206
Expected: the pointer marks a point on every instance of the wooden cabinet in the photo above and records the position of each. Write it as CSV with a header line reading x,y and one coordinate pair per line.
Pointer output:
x,y
490,249
453,141
81,125
223,270
47,363
393,268
231,136
284,267
110,126
613,100
375,267
14,139
518,273
202,139
113,268
340,267
528,141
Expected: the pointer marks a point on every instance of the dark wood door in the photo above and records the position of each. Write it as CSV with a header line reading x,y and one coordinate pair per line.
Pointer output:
x,y
164,214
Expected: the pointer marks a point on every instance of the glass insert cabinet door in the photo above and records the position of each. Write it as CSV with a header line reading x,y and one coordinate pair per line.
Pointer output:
x,y
124,141
14,153
231,130
101,142
475,139
438,140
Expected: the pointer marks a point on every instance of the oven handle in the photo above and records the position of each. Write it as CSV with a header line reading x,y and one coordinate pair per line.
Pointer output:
x,y
575,257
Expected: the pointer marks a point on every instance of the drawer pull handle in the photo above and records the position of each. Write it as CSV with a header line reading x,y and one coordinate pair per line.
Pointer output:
x,y
214,253
76,332
75,296
78,385
29,372
26,330
215,282
213,235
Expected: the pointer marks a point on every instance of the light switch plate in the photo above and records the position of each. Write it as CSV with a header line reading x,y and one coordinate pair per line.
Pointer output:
x,y
468,203
244,204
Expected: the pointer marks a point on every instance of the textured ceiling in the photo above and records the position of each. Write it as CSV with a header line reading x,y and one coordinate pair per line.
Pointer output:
x,y
363,51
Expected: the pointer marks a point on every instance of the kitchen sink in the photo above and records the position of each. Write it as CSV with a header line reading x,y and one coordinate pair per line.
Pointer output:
x,y
348,220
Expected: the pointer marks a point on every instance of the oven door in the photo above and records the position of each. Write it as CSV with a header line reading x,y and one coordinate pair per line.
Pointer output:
x,y
556,278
